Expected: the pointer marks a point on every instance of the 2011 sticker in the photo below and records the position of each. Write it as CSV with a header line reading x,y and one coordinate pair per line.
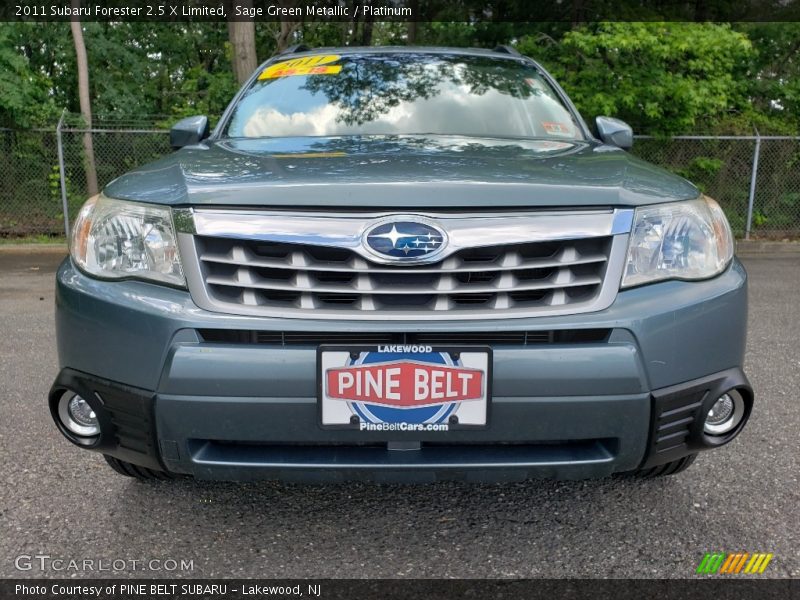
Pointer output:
x,y
307,65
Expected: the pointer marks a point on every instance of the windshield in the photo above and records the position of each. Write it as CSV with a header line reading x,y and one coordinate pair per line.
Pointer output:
x,y
401,94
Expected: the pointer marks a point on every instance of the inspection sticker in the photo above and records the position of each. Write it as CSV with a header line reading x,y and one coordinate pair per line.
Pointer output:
x,y
556,128
308,65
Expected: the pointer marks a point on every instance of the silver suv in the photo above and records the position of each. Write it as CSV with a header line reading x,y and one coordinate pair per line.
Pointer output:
x,y
400,264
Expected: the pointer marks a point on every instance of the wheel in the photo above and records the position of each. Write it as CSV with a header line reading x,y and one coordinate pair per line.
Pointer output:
x,y
130,470
670,468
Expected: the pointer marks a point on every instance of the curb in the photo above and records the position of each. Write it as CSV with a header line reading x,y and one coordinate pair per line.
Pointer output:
x,y
761,247
60,248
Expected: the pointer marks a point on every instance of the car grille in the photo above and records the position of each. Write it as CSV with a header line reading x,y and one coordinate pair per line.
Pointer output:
x,y
275,278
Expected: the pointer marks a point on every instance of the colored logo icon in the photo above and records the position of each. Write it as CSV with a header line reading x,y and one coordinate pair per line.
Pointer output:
x,y
721,563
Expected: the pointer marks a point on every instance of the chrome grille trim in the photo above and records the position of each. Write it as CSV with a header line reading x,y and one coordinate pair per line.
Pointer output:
x,y
345,230
511,267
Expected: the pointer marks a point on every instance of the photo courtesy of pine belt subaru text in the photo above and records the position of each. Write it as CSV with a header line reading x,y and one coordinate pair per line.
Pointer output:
x,y
400,264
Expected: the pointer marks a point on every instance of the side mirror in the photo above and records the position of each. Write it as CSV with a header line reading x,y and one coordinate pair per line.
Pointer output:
x,y
188,131
615,132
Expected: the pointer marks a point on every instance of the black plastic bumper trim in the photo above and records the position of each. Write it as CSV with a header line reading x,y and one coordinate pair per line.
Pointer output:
x,y
679,411
126,415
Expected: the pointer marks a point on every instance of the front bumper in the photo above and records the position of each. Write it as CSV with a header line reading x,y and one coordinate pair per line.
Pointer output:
x,y
235,411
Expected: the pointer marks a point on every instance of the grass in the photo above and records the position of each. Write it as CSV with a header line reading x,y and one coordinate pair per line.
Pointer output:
x,y
33,239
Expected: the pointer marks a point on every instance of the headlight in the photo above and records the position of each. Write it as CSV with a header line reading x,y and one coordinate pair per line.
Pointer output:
x,y
116,239
679,240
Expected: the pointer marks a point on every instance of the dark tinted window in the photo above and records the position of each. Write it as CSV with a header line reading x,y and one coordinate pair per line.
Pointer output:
x,y
399,94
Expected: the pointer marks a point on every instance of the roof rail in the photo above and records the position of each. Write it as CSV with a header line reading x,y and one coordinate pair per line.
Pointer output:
x,y
295,48
506,49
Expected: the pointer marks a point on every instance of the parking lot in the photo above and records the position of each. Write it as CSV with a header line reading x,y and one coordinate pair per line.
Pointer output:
x,y
60,501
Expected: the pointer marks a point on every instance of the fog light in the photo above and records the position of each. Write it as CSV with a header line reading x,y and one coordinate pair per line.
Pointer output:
x,y
725,414
78,416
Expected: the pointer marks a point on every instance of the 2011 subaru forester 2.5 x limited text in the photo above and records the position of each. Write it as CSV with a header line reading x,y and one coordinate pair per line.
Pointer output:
x,y
400,265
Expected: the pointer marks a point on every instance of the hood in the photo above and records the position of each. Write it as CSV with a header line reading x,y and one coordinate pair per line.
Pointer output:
x,y
401,172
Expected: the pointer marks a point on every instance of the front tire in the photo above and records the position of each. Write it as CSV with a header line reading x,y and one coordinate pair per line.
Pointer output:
x,y
670,468
141,473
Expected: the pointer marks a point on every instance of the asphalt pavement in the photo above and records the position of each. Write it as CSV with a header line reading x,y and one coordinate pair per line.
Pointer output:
x,y
59,501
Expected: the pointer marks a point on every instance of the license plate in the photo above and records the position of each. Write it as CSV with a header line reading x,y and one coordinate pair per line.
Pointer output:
x,y
404,387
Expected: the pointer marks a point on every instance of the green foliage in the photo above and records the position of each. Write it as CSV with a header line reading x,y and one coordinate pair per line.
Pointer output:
x,y
663,78
44,238
205,93
54,183
700,171
24,99
701,167
136,69
774,73
707,165
460,34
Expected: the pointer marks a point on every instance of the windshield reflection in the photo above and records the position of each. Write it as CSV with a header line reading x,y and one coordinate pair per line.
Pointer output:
x,y
407,94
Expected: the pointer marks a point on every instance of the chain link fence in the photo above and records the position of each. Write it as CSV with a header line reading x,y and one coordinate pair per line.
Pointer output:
x,y
30,198
730,169
117,148
42,171
756,179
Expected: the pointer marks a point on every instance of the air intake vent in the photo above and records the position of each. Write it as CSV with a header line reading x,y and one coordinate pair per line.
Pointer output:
x,y
362,338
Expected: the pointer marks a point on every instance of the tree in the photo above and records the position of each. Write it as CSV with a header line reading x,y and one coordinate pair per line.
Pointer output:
x,y
774,76
85,101
25,100
242,36
412,26
284,34
663,78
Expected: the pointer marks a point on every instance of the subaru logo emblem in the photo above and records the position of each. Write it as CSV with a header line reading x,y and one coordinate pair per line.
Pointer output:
x,y
406,239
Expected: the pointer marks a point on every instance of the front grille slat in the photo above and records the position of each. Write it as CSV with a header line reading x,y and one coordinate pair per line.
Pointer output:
x,y
278,276
443,285
300,261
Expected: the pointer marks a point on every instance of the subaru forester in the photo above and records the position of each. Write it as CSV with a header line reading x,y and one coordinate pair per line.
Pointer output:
x,y
400,264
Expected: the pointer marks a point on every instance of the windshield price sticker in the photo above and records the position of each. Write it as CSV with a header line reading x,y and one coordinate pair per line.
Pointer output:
x,y
309,65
